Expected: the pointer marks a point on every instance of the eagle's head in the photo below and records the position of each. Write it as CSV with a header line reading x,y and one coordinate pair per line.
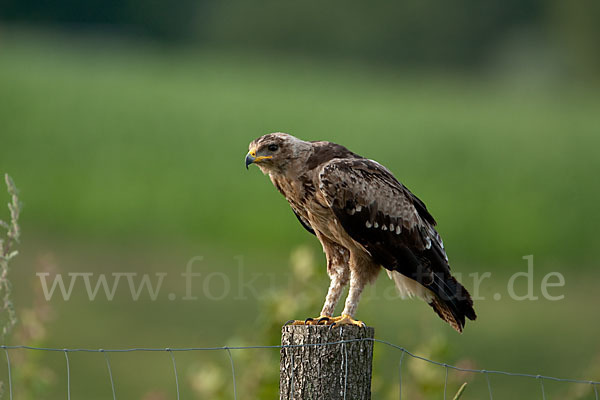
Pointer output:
x,y
273,152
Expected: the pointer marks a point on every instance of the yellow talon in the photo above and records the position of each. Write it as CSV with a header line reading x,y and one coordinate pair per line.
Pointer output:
x,y
347,320
320,320
326,320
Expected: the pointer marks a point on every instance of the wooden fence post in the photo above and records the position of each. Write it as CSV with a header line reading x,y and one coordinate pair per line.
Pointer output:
x,y
313,371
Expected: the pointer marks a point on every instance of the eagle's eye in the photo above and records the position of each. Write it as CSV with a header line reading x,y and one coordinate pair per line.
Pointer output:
x,y
273,147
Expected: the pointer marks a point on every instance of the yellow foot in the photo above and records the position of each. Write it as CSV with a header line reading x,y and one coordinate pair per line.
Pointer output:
x,y
320,320
325,320
346,320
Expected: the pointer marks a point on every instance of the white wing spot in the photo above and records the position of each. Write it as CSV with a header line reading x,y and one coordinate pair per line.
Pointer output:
x,y
384,228
391,227
398,230
376,225
428,244
352,211
368,224
358,208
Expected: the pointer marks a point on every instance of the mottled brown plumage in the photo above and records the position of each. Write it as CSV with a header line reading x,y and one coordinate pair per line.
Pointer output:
x,y
365,219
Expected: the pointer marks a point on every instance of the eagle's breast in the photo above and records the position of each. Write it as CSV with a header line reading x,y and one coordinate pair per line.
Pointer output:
x,y
298,192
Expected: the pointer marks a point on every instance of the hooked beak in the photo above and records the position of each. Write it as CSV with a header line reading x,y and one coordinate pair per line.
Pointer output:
x,y
251,158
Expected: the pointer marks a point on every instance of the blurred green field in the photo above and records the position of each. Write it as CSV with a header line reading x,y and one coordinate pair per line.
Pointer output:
x,y
122,141
130,158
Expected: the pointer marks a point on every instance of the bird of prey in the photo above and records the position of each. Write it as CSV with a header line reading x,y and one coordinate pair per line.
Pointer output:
x,y
365,219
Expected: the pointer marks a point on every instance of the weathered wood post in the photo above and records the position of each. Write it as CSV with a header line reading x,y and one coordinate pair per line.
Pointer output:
x,y
312,370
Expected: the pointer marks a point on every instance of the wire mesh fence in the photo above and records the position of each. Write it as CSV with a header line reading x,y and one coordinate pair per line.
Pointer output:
x,y
228,349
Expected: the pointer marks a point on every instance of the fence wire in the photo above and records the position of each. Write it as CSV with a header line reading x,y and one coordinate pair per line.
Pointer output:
x,y
228,349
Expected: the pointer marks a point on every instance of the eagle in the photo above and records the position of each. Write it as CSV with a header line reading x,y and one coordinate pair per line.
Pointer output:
x,y
366,220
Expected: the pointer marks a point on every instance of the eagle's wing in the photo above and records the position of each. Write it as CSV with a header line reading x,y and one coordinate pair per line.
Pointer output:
x,y
304,222
396,229
380,213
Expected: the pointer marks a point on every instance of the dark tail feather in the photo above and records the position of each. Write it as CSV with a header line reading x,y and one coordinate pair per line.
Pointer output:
x,y
452,302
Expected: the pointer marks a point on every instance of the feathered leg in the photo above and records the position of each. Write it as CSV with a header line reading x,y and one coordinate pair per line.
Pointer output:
x,y
339,279
338,269
361,272
356,287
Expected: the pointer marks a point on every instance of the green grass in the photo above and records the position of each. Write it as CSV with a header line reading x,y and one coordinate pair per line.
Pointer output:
x,y
130,158
125,142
